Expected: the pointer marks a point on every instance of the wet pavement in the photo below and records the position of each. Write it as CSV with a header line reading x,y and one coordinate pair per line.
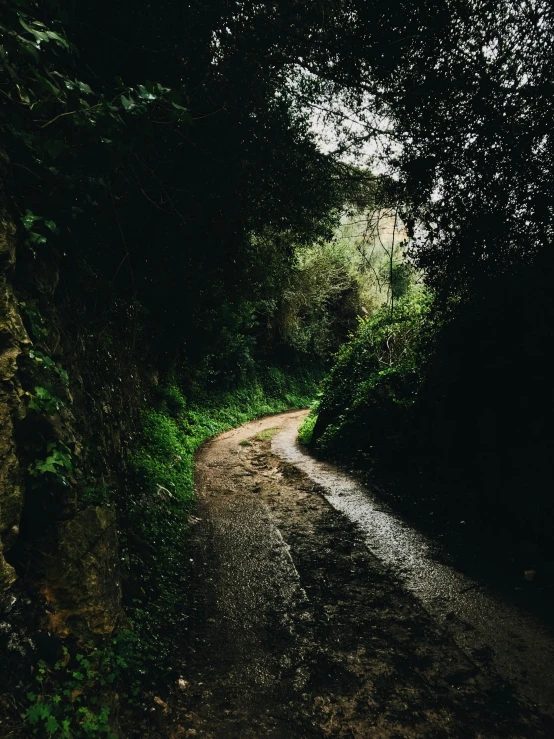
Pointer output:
x,y
316,612
518,645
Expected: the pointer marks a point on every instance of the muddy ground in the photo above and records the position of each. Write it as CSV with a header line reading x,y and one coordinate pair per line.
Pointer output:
x,y
298,630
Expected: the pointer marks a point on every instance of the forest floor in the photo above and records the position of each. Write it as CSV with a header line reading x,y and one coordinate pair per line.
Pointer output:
x,y
300,626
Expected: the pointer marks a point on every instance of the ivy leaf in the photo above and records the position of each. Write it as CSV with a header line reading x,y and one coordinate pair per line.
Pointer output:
x,y
48,85
127,103
146,94
174,97
29,218
184,115
39,35
54,147
46,35
83,87
47,466
52,725
24,96
29,47
36,712
35,238
59,39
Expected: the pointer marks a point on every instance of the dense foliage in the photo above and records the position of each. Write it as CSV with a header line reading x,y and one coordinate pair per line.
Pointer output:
x,y
367,396
463,93
165,185
157,188
176,218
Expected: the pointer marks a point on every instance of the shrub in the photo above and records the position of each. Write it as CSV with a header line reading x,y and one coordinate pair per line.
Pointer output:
x,y
366,396
307,428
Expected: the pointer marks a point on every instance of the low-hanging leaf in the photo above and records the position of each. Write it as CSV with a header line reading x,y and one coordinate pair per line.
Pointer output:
x,y
127,103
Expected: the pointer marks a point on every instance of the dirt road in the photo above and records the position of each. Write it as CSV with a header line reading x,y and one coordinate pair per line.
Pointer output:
x,y
300,630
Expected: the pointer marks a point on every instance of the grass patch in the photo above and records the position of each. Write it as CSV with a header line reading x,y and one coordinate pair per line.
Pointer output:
x,y
306,428
266,434
176,427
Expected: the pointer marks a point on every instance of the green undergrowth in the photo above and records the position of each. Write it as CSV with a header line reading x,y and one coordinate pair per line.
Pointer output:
x,y
306,428
74,697
154,523
176,426
367,396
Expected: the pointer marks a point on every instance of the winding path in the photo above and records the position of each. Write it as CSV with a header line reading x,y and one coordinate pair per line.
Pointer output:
x,y
316,612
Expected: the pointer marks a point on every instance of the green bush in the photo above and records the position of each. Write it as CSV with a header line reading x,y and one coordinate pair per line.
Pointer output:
x,y
373,384
72,697
306,429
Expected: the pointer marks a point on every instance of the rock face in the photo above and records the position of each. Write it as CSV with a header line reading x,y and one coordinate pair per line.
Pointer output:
x,y
82,587
13,340
75,551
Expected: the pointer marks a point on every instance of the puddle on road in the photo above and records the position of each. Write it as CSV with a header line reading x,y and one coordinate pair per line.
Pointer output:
x,y
482,624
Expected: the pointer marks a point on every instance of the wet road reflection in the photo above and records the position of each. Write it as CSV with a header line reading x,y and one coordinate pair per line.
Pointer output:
x,y
487,628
